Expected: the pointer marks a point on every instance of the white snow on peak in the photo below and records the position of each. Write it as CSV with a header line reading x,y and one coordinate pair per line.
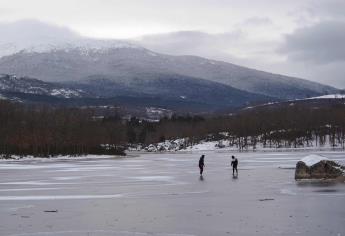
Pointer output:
x,y
313,159
84,45
38,37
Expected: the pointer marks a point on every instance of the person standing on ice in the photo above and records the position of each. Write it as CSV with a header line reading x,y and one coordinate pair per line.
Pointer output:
x,y
234,163
201,164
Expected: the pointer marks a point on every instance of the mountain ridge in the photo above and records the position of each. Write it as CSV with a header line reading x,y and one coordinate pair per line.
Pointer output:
x,y
173,92
124,64
56,54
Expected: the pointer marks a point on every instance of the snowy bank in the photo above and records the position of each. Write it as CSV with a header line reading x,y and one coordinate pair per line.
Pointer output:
x,y
329,96
233,144
83,157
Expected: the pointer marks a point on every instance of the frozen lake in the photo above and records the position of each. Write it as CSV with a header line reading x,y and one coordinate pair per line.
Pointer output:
x,y
162,194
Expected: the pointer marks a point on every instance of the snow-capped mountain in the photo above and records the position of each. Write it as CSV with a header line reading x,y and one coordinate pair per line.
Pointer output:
x,y
39,37
127,64
59,55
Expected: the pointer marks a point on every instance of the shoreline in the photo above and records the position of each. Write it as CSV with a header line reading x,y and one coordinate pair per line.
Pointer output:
x,y
66,157
224,150
131,153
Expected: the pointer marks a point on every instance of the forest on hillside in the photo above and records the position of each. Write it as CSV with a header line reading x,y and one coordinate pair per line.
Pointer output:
x,y
46,131
273,127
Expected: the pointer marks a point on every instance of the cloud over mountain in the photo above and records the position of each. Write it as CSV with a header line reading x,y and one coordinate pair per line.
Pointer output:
x,y
320,43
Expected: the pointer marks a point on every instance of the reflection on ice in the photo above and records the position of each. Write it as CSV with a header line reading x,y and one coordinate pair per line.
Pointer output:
x,y
315,188
326,191
98,233
154,178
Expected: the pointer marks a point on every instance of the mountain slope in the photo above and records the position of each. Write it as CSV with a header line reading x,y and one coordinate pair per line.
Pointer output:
x,y
173,92
12,84
126,63
175,87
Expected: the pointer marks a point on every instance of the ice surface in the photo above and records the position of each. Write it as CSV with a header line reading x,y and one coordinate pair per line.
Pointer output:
x,y
163,194
313,159
98,233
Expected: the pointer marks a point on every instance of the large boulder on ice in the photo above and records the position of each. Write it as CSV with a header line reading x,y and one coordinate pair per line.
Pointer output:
x,y
318,167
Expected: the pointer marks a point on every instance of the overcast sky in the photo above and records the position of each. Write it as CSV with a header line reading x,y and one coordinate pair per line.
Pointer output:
x,y
303,38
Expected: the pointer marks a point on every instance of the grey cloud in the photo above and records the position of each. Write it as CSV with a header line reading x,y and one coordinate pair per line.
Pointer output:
x,y
304,45
28,34
257,21
331,74
320,43
29,31
235,46
191,42
327,9
4,12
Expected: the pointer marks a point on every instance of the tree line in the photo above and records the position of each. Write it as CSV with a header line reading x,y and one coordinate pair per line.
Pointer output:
x,y
289,126
46,131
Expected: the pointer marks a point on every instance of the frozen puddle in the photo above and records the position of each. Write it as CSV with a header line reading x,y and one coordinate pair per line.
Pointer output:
x,y
39,183
27,189
288,192
154,178
268,161
20,167
69,177
81,168
58,197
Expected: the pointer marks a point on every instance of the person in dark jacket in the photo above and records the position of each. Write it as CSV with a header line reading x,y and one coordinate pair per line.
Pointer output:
x,y
234,163
201,164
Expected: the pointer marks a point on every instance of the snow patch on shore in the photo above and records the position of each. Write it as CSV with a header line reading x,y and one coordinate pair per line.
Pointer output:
x,y
252,144
83,157
329,96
